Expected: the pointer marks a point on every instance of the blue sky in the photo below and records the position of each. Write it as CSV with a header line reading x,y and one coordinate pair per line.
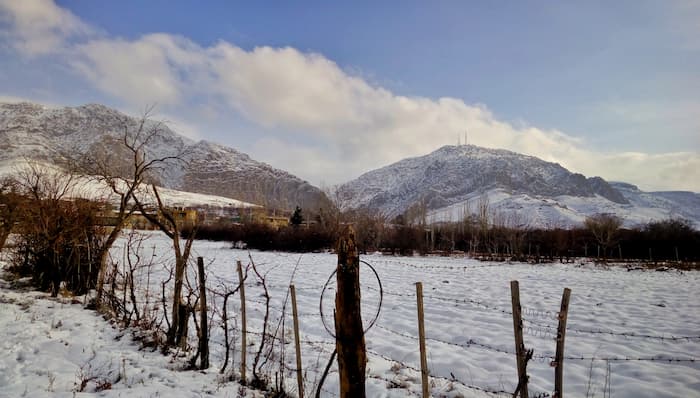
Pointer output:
x,y
328,90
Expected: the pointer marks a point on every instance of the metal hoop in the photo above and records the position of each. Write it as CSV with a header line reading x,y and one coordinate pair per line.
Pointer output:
x,y
379,306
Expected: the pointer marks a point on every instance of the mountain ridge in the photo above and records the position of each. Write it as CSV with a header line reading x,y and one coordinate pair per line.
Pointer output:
x,y
452,179
29,130
447,182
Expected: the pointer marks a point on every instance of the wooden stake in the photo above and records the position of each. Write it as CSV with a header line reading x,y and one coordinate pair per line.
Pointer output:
x,y
300,380
561,333
519,343
243,322
204,330
421,337
350,336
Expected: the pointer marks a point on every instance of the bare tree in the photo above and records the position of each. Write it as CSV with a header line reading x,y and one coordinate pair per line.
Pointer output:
x,y
124,165
129,167
58,231
604,228
416,213
482,218
164,219
10,205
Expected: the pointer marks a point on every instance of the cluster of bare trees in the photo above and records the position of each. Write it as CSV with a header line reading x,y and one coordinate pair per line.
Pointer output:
x,y
57,239
61,239
10,202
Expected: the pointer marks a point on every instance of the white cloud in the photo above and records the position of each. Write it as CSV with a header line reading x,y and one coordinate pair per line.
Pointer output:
x,y
150,70
180,126
666,171
39,27
324,123
310,163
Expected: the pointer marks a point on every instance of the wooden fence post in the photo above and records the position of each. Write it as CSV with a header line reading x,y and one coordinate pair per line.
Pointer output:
x,y
350,336
561,333
520,352
243,322
295,315
421,337
204,329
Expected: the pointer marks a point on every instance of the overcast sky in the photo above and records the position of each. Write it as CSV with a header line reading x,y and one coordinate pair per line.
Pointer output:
x,y
329,90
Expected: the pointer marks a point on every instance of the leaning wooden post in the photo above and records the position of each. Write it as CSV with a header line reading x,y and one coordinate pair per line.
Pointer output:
x,y
295,315
421,337
519,343
561,333
243,322
204,329
350,336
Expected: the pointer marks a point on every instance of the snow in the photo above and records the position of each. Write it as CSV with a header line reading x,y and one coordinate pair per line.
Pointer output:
x,y
46,133
87,187
539,194
567,211
614,313
50,346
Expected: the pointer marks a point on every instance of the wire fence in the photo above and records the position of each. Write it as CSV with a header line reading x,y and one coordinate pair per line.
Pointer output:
x,y
534,319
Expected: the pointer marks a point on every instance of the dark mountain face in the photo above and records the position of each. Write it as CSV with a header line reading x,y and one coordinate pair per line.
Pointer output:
x,y
37,132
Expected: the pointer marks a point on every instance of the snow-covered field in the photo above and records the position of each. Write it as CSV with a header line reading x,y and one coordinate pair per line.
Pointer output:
x,y
625,324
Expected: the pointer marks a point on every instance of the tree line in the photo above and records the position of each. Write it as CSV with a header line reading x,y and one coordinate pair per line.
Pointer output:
x,y
601,236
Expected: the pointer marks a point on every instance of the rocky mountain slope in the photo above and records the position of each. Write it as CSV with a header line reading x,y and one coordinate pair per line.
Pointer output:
x,y
522,190
51,134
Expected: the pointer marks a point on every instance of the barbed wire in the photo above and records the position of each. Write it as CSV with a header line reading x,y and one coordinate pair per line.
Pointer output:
x,y
299,314
467,301
439,267
539,329
329,392
632,359
537,313
535,330
613,333
489,347
540,333
468,344
309,287
452,377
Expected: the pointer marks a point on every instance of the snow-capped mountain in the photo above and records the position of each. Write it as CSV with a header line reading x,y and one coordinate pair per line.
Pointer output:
x,y
520,190
34,131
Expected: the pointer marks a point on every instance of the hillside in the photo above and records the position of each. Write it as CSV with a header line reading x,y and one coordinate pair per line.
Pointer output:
x,y
522,190
50,134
